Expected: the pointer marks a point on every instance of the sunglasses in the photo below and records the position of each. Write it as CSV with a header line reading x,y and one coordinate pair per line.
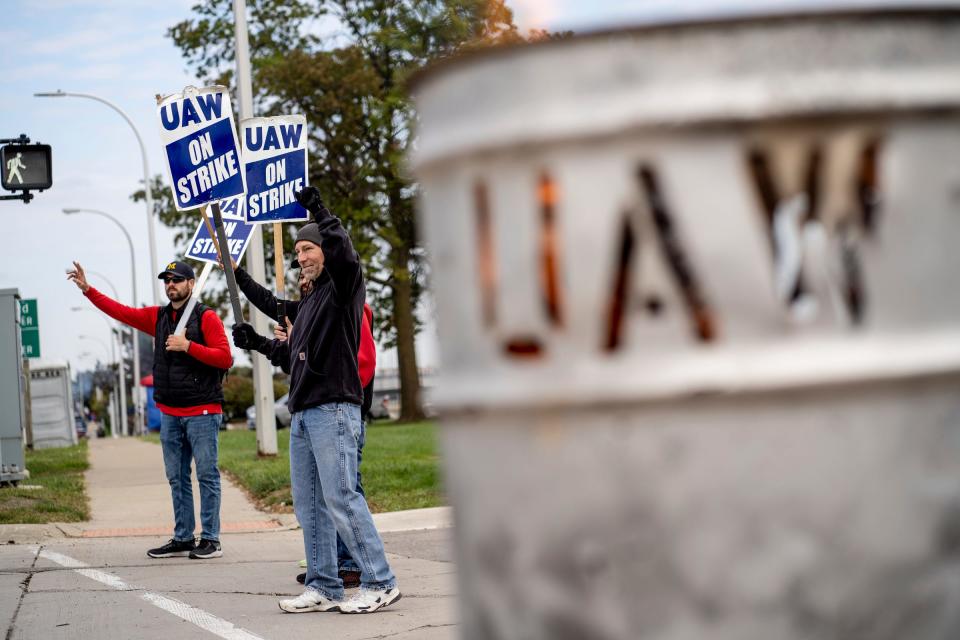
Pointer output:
x,y
173,279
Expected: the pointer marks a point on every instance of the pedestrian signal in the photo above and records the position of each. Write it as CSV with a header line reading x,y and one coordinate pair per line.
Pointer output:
x,y
26,167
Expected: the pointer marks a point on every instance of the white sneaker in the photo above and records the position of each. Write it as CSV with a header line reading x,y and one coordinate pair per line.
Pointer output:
x,y
310,600
369,600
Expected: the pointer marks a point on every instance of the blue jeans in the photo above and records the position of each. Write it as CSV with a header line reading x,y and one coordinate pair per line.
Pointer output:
x,y
197,438
323,475
344,559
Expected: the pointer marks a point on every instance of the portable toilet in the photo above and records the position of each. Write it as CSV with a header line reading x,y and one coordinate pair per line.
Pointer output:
x,y
51,405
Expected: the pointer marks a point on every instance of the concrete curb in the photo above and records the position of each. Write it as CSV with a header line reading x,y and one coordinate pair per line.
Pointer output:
x,y
389,522
414,519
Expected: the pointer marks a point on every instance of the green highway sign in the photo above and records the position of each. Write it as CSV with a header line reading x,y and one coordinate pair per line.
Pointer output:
x,y
28,314
30,343
29,329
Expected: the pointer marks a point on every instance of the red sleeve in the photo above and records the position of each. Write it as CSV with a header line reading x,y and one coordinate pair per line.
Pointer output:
x,y
367,355
216,353
143,319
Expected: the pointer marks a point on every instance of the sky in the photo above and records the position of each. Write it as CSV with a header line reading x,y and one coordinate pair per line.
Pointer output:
x,y
118,50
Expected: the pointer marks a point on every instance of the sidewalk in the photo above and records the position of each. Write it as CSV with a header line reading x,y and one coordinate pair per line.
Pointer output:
x,y
129,495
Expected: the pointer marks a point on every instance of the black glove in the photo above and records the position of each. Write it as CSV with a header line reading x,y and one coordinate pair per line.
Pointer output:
x,y
310,200
246,337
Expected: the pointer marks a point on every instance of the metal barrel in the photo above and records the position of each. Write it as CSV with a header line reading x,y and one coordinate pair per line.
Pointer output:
x,y
699,327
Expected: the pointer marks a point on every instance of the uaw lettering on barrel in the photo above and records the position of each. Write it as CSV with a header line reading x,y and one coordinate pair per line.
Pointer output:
x,y
202,150
812,224
201,246
275,167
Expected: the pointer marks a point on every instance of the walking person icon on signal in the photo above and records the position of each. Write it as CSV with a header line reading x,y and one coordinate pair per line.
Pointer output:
x,y
13,166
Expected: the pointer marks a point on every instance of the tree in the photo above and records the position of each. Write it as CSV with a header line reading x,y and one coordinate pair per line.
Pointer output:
x,y
351,88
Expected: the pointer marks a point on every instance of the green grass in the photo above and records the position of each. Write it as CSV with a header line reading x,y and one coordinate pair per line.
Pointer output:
x,y
266,479
400,467
62,498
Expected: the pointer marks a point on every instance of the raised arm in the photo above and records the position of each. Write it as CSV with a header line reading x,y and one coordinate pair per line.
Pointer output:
x,y
340,260
143,318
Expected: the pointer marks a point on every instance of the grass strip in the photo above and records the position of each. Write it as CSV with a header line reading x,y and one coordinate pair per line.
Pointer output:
x,y
400,468
61,496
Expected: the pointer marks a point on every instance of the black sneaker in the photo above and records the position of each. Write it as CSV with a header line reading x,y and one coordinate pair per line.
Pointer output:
x,y
302,577
173,549
207,549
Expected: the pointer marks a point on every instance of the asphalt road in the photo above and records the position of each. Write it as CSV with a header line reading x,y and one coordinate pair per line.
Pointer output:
x,y
59,587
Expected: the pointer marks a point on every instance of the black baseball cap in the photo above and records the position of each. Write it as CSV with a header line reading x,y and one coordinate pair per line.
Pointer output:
x,y
178,268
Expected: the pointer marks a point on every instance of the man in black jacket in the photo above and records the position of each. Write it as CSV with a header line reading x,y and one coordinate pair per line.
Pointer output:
x,y
324,401
275,308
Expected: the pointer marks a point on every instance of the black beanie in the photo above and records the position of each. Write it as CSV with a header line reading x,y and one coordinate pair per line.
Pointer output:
x,y
309,232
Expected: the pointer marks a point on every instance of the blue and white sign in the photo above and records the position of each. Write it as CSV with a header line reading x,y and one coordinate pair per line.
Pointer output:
x,y
238,233
201,147
275,167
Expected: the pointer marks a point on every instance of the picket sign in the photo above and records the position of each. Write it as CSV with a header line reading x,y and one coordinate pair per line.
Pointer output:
x,y
203,158
200,146
203,245
275,169
274,158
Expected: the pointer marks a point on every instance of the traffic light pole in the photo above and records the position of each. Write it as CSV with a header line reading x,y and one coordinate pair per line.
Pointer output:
x,y
26,197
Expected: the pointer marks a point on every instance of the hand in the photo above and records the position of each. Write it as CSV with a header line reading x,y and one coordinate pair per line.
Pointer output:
x,y
281,333
78,277
310,199
232,262
177,342
246,337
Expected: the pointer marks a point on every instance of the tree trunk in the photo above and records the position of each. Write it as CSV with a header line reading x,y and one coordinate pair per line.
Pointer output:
x,y
410,407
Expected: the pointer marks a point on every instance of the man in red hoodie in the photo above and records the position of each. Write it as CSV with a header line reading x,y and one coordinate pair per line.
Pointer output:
x,y
188,372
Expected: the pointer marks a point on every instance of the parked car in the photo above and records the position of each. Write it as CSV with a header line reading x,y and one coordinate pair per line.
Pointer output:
x,y
378,410
280,411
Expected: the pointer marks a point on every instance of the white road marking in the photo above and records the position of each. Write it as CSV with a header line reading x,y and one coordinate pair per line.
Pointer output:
x,y
207,621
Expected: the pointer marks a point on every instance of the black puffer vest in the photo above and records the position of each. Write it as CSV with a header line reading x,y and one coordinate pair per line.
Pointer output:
x,y
179,380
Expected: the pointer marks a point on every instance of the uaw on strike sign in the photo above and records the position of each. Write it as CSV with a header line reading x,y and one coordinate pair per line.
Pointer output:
x,y
238,233
203,155
275,167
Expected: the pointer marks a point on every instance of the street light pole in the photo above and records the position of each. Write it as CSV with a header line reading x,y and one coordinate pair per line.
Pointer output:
x,y
262,378
111,404
113,289
137,401
121,367
146,177
108,351
121,415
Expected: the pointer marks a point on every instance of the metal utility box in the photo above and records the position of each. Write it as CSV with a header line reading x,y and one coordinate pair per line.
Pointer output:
x,y
51,405
696,288
12,389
